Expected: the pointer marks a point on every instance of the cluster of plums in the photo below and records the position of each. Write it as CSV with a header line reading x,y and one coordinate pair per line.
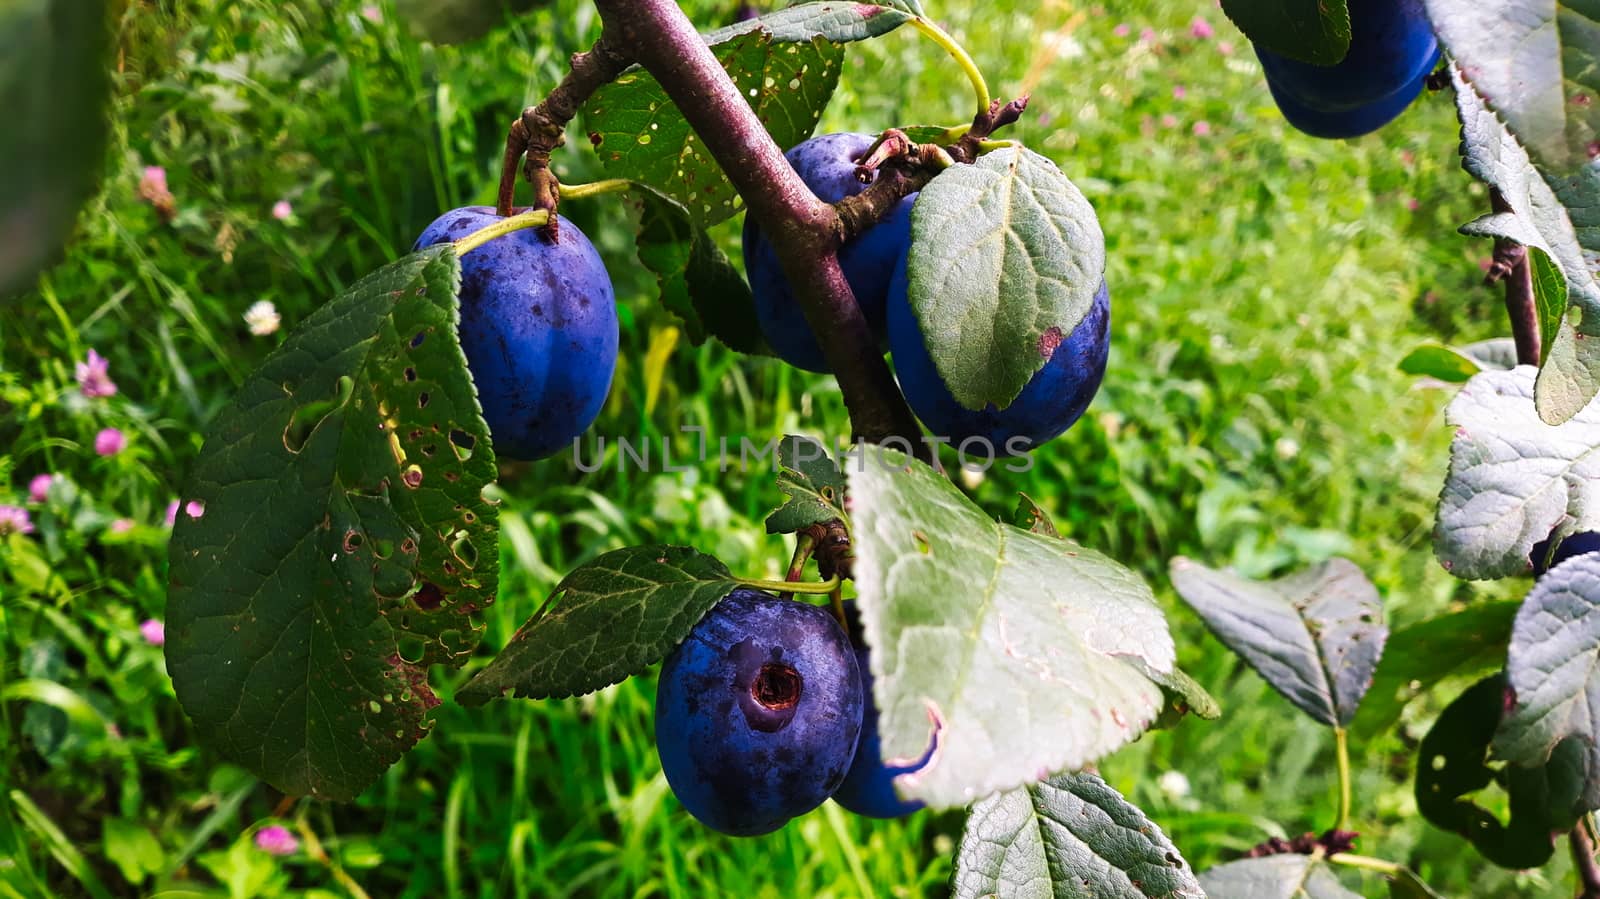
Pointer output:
x,y
1392,52
874,263
765,711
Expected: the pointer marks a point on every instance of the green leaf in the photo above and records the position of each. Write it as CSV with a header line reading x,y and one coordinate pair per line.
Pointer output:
x,y
459,21
1070,835
639,135
1314,31
1553,669
1452,765
830,20
1006,257
345,543
1537,64
1315,635
1408,885
1557,217
1468,643
1513,479
1442,362
986,636
1290,876
132,848
55,86
698,283
1182,695
1030,517
813,483
605,622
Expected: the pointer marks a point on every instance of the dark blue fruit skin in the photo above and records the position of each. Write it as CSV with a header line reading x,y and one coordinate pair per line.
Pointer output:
x,y
738,765
869,787
1578,544
1392,50
1050,403
539,329
827,165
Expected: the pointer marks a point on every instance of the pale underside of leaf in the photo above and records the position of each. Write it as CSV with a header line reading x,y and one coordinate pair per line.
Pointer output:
x,y
1554,670
1068,836
1018,654
1315,636
1513,479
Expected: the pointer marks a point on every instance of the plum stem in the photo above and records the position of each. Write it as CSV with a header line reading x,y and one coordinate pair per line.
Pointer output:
x,y
820,588
542,128
536,218
1341,748
980,88
802,229
1583,859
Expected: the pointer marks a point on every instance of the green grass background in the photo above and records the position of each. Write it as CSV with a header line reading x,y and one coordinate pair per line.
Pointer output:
x,y
1264,286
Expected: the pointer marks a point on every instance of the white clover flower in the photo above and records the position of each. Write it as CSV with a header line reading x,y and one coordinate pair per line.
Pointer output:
x,y
262,317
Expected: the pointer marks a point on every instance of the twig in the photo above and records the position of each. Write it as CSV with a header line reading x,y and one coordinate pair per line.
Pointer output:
x,y
1583,861
542,128
1511,265
803,230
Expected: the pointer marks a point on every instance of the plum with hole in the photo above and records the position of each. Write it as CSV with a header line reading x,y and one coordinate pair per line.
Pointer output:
x,y
758,712
1579,544
1048,405
1392,51
868,788
827,164
539,330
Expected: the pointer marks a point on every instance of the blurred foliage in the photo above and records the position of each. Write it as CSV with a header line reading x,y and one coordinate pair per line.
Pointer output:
x,y
1265,286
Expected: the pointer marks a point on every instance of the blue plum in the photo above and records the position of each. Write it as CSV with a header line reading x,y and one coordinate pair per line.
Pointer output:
x,y
1050,403
1392,51
539,329
869,787
827,164
1581,543
758,712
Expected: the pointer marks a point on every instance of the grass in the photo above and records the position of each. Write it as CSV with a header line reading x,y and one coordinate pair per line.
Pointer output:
x,y
1264,286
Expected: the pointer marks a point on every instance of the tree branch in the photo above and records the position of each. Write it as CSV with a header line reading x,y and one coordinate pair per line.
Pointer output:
x,y
1512,266
803,230
542,128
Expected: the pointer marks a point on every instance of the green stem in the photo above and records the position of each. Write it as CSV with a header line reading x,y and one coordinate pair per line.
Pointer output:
x,y
537,218
821,588
1341,748
980,88
1381,865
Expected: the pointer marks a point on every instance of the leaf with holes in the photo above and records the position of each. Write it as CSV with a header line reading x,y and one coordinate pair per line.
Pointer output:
x,y
1468,643
1291,876
639,135
1070,835
605,622
813,483
1453,765
1315,635
1031,517
1314,31
1513,479
1014,653
1553,669
697,282
345,543
1557,217
829,20
1006,257
55,85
